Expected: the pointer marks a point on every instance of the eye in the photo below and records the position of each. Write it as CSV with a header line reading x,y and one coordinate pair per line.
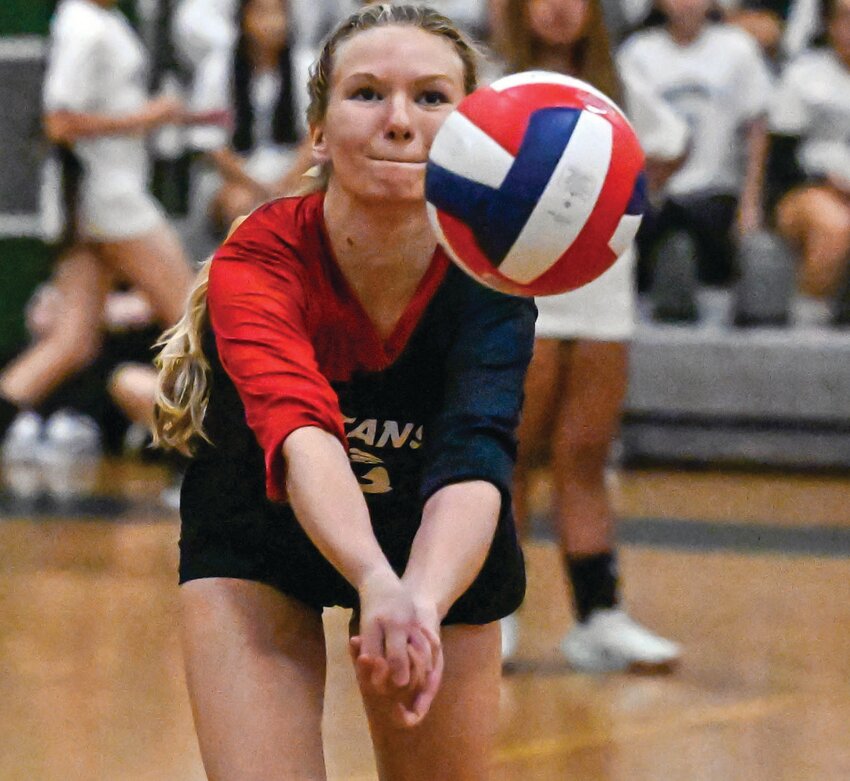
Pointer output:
x,y
365,93
433,97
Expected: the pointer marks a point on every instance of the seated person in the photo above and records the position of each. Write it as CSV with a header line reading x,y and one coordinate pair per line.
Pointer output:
x,y
809,161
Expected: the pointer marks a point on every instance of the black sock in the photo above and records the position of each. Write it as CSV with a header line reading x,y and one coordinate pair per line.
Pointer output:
x,y
595,582
8,412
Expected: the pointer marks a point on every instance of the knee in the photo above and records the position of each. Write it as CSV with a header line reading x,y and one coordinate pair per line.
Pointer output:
x,y
133,388
75,349
584,455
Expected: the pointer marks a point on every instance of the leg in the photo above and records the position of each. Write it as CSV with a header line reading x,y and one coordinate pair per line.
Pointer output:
x,y
156,264
74,339
541,385
592,393
591,398
455,741
817,220
255,668
133,388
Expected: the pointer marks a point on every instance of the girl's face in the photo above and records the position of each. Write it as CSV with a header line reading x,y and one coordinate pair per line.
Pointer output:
x,y
265,23
557,22
391,89
839,30
693,11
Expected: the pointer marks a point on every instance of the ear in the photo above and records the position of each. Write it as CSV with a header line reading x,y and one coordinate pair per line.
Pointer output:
x,y
319,145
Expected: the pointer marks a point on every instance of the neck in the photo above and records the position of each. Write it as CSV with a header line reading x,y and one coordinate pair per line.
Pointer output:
x,y
263,58
382,251
561,59
377,237
685,31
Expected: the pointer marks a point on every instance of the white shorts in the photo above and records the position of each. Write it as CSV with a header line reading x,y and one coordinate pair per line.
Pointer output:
x,y
120,215
602,310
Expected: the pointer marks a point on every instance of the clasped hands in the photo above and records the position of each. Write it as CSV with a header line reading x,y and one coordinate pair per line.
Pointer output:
x,y
397,654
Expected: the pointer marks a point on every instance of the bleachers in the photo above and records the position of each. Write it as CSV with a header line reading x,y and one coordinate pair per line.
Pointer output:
x,y
713,393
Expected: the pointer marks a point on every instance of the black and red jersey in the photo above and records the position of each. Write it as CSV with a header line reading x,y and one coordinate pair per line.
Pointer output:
x,y
436,402
290,345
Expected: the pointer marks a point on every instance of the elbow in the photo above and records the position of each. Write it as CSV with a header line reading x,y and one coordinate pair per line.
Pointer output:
x,y
57,128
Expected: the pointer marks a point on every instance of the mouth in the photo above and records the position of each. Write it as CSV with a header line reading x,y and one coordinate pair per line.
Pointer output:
x,y
396,161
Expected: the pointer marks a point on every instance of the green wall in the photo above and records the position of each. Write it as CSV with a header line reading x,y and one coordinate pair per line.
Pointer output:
x,y
24,262
25,17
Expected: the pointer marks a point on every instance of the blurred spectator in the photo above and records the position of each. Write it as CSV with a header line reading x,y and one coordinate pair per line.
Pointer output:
x,y
715,77
577,379
97,113
261,80
809,168
70,421
783,28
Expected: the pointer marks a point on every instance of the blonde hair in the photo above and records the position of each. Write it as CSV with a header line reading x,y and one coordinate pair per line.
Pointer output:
x,y
184,372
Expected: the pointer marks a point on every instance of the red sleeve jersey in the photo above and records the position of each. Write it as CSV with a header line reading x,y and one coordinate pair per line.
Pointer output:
x,y
287,324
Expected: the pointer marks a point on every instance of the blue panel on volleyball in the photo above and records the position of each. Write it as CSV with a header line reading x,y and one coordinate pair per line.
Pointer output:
x,y
496,217
639,202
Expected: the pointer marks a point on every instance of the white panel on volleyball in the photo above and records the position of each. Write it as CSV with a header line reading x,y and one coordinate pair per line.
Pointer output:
x,y
550,77
566,203
466,150
625,234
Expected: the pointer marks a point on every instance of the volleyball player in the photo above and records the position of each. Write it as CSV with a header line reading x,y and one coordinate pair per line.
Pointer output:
x,y
351,397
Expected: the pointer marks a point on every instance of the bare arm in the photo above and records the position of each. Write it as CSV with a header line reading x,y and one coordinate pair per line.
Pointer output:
x,y
66,127
750,210
458,524
231,167
329,505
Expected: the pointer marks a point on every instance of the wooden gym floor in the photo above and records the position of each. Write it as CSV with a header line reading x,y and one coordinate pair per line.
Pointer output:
x,y
749,572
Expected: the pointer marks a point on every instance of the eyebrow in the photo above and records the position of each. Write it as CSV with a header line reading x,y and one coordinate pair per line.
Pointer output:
x,y
419,80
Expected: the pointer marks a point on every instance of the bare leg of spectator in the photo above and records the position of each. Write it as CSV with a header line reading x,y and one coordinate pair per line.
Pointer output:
x,y
155,264
817,219
72,343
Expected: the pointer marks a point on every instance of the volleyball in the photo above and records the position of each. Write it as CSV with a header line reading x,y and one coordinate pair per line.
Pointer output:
x,y
534,184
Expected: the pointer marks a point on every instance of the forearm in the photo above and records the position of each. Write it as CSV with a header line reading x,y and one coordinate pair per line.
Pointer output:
x,y
330,506
458,524
757,144
65,127
231,167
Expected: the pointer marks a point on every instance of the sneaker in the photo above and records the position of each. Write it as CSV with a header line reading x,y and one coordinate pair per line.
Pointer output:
x,y
611,641
22,439
510,636
70,436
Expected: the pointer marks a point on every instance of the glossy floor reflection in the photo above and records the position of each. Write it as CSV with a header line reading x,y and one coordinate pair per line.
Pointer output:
x,y
92,686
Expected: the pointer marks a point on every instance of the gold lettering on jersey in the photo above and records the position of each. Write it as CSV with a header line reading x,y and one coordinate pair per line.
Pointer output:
x,y
366,431
377,479
392,432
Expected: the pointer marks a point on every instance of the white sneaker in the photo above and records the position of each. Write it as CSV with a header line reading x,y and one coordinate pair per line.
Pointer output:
x,y
510,636
611,641
22,439
70,436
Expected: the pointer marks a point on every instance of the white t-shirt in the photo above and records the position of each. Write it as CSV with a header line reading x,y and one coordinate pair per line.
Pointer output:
x,y
97,65
717,84
813,101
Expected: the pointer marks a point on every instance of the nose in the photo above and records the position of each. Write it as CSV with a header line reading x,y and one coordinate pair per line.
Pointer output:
x,y
399,126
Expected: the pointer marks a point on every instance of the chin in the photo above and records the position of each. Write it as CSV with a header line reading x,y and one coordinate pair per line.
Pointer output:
x,y
399,191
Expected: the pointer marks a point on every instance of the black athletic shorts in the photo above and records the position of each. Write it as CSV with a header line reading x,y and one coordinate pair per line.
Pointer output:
x,y
230,530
